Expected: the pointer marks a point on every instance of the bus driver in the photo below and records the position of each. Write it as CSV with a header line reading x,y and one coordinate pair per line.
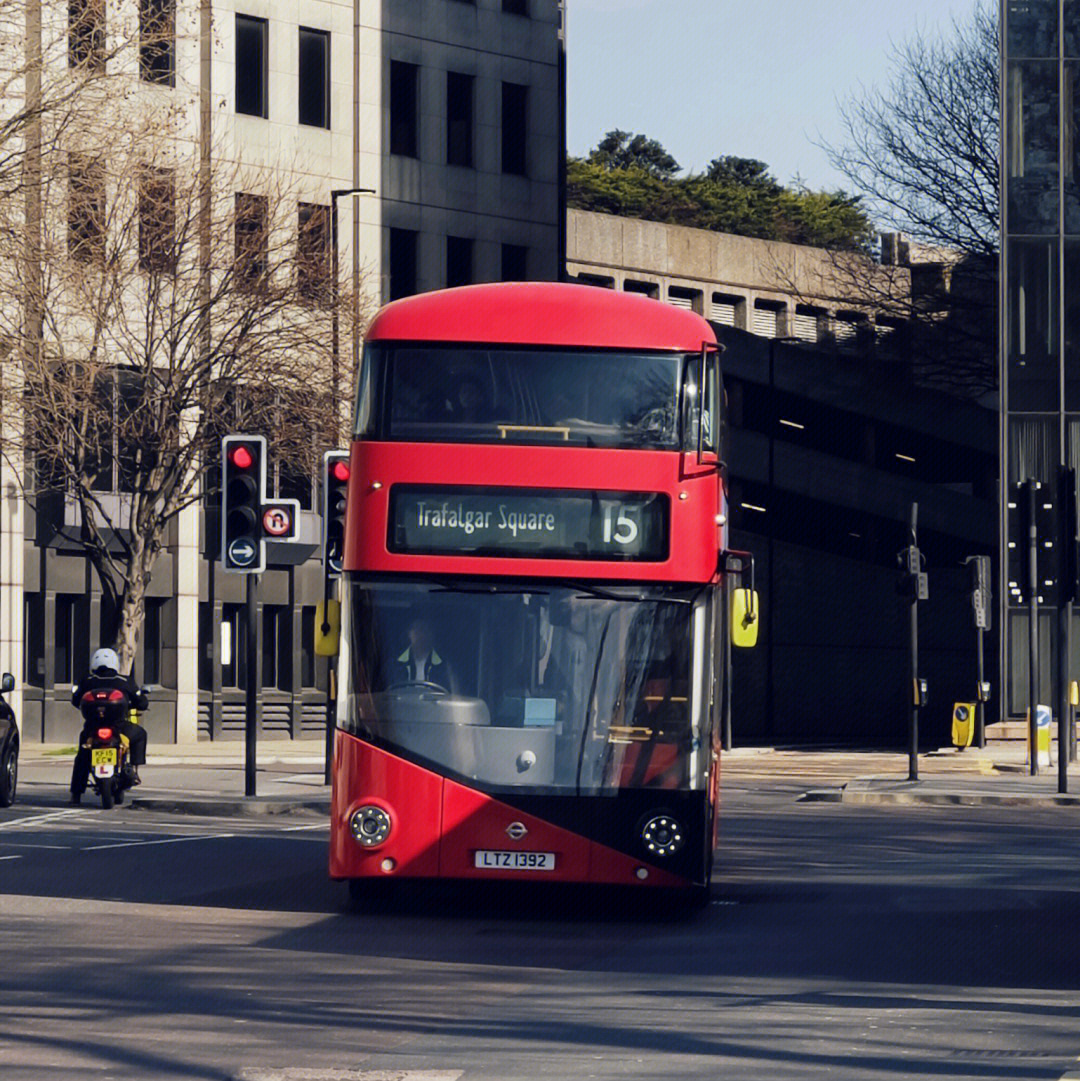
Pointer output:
x,y
421,661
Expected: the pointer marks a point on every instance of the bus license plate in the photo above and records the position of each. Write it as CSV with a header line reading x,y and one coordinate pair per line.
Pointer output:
x,y
515,861
105,756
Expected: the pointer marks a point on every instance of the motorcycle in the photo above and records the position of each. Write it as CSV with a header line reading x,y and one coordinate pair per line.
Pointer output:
x,y
103,710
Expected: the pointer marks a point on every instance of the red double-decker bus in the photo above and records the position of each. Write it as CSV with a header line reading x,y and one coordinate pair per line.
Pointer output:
x,y
532,605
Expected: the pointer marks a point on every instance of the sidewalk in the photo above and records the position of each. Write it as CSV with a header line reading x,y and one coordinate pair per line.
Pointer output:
x,y
205,778
995,775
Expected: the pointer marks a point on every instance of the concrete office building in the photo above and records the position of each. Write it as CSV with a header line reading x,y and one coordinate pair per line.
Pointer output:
x,y
452,111
833,436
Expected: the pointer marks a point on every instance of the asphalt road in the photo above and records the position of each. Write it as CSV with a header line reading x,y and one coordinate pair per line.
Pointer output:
x,y
849,942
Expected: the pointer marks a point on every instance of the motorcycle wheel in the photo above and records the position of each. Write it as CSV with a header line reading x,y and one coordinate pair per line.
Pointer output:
x,y
119,794
105,786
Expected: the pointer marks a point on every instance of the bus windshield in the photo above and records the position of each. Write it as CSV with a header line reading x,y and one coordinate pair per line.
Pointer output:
x,y
551,687
477,394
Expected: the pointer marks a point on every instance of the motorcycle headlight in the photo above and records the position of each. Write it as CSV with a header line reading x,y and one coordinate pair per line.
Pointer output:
x,y
662,835
369,826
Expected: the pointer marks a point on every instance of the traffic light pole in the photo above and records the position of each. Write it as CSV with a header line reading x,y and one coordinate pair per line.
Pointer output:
x,y
980,704
913,734
1063,708
251,691
331,687
1033,627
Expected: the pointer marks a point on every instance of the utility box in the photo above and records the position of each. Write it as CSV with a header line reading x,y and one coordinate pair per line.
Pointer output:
x,y
963,724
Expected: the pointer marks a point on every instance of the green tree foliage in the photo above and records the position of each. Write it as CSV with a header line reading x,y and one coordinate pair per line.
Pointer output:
x,y
634,176
624,150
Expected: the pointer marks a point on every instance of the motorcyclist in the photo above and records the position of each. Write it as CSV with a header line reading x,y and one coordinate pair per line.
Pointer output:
x,y
105,672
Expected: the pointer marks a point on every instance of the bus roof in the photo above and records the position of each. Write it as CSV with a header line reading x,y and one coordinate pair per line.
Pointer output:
x,y
541,313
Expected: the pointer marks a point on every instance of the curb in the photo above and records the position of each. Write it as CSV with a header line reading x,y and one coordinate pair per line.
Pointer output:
x,y
822,795
215,807
860,793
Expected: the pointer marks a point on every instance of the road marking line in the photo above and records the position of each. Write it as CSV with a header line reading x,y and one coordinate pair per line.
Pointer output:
x,y
35,820
296,829
31,844
161,841
10,857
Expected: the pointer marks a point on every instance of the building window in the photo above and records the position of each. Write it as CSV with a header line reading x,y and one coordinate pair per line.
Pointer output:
x,y
152,644
313,254
515,108
252,36
71,638
766,319
206,646
805,322
307,646
516,7
459,119
515,263
726,309
86,208
157,41
251,239
404,111
157,219
33,639
403,260
233,647
86,34
680,296
314,77
276,647
459,260
599,281
645,289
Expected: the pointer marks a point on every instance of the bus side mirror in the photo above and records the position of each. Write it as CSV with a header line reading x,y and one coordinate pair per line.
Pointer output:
x,y
745,612
327,628
7,683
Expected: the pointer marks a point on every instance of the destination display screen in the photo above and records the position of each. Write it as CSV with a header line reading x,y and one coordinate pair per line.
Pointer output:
x,y
529,524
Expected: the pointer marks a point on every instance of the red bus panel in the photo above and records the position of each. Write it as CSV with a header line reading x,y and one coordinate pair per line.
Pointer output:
x,y
694,492
438,825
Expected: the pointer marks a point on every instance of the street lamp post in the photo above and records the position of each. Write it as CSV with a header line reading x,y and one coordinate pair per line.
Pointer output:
x,y
335,409
335,292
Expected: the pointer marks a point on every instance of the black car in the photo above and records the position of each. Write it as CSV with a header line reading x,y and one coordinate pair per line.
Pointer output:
x,y
9,744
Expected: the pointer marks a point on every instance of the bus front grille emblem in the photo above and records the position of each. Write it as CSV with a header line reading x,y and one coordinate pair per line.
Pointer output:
x,y
516,830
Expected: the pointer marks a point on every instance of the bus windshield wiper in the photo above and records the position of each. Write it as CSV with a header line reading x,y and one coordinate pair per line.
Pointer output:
x,y
482,590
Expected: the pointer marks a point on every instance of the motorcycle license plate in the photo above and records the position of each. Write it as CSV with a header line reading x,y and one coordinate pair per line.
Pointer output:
x,y
103,756
491,860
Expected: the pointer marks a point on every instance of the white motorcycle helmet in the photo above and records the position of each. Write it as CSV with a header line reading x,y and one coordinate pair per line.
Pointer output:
x,y
105,662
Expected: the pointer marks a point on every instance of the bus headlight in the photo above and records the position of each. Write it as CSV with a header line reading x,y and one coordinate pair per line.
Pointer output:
x,y
369,825
662,835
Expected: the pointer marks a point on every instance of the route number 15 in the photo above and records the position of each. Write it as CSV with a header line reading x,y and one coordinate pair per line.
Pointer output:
x,y
619,526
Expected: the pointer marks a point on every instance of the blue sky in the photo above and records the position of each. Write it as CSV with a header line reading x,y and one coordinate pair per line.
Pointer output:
x,y
757,78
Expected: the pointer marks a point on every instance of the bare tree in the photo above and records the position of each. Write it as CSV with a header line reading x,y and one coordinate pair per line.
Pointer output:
x,y
154,304
924,151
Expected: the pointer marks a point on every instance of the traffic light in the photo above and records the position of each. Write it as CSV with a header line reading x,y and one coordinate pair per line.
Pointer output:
x,y
243,484
912,582
335,495
981,590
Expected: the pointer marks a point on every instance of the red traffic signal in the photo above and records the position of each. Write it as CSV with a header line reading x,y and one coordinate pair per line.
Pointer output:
x,y
243,485
334,497
241,457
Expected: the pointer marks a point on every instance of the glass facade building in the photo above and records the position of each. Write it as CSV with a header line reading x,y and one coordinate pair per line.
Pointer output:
x,y
1040,303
